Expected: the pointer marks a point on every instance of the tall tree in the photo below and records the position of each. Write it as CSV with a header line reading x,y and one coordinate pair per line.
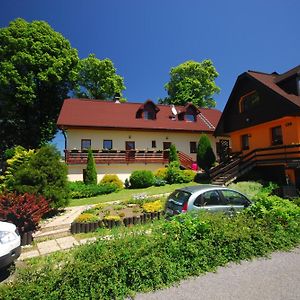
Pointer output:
x,y
98,79
193,82
91,172
38,68
173,156
205,154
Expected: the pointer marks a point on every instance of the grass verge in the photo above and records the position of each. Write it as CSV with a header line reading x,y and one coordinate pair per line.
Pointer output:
x,y
126,194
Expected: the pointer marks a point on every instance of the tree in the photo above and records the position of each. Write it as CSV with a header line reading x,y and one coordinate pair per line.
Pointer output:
x,y
91,173
38,68
97,79
43,174
205,154
173,153
193,82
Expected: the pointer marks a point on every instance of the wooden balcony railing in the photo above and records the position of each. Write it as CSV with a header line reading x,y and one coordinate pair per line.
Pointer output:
x,y
117,157
73,157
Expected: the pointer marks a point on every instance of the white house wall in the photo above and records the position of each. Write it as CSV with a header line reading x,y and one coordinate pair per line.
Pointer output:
x,y
143,141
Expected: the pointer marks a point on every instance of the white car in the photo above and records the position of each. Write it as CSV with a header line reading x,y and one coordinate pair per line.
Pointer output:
x,y
10,244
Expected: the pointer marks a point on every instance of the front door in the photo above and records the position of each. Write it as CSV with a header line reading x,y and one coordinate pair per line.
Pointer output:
x,y
130,147
166,146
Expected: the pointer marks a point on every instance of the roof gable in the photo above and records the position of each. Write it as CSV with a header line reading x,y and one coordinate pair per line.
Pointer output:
x,y
275,102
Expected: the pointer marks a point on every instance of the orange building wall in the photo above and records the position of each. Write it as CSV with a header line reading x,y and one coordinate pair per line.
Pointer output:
x,y
260,135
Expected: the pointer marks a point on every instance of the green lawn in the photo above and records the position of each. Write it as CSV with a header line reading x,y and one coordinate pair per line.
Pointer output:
x,y
126,194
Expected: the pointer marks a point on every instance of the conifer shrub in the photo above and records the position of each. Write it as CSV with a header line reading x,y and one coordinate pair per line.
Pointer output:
x,y
205,154
90,176
173,156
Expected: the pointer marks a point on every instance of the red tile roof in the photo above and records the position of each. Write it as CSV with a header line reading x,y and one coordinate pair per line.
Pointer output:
x,y
107,114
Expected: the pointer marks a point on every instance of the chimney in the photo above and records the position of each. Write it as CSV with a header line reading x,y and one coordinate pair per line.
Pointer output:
x,y
117,98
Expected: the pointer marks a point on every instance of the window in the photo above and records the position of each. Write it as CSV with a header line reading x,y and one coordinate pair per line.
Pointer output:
x,y
190,117
249,101
211,198
85,144
193,147
107,144
148,115
276,135
245,141
153,144
234,198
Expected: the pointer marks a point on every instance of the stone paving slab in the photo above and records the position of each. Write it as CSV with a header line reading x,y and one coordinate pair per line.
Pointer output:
x,y
48,247
29,254
67,242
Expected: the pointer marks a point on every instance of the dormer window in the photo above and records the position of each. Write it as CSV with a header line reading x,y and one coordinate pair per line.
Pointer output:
x,y
147,111
249,101
189,113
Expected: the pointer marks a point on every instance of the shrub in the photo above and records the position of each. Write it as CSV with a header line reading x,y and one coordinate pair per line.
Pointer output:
x,y
173,153
141,179
159,182
112,178
189,175
205,154
80,190
249,188
90,176
161,173
86,218
155,206
44,174
25,211
187,245
16,157
174,174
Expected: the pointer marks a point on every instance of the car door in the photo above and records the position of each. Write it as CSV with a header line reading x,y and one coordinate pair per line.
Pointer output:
x,y
209,201
234,200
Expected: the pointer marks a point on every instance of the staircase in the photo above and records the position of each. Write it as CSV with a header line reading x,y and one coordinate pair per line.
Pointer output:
x,y
238,164
185,161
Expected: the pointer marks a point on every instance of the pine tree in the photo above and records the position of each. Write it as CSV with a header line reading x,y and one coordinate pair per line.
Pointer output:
x,y
91,173
205,154
173,154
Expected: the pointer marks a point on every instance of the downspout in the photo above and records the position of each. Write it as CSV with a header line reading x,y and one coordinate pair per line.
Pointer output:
x,y
64,132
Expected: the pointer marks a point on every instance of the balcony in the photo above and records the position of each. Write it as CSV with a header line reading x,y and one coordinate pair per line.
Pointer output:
x,y
73,157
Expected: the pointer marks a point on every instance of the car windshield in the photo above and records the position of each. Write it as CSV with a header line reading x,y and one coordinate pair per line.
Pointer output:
x,y
179,196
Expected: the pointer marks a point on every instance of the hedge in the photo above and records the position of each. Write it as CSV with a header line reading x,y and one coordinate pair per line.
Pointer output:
x,y
186,246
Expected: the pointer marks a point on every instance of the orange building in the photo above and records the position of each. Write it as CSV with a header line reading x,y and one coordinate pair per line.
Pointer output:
x,y
262,118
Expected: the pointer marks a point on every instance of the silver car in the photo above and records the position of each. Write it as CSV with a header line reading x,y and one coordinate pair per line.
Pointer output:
x,y
207,197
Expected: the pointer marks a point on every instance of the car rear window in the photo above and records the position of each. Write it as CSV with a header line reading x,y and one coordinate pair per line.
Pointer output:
x,y
180,197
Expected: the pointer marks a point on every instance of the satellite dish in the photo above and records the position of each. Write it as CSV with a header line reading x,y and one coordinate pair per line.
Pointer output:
x,y
174,111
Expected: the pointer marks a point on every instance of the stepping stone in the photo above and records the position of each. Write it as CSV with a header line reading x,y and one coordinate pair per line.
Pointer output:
x,y
67,242
29,254
48,247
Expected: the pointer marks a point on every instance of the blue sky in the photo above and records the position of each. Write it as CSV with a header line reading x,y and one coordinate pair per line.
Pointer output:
x,y
145,39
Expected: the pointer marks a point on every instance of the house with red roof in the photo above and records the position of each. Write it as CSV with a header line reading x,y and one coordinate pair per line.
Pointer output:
x,y
130,136
262,118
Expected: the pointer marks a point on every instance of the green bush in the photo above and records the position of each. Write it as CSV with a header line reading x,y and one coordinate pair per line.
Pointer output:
x,y
189,175
248,188
161,173
80,190
90,176
187,245
205,154
112,178
174,174
44,174
173,153
141,179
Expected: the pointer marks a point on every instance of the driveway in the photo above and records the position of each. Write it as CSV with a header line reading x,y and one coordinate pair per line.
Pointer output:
x,y
261,279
